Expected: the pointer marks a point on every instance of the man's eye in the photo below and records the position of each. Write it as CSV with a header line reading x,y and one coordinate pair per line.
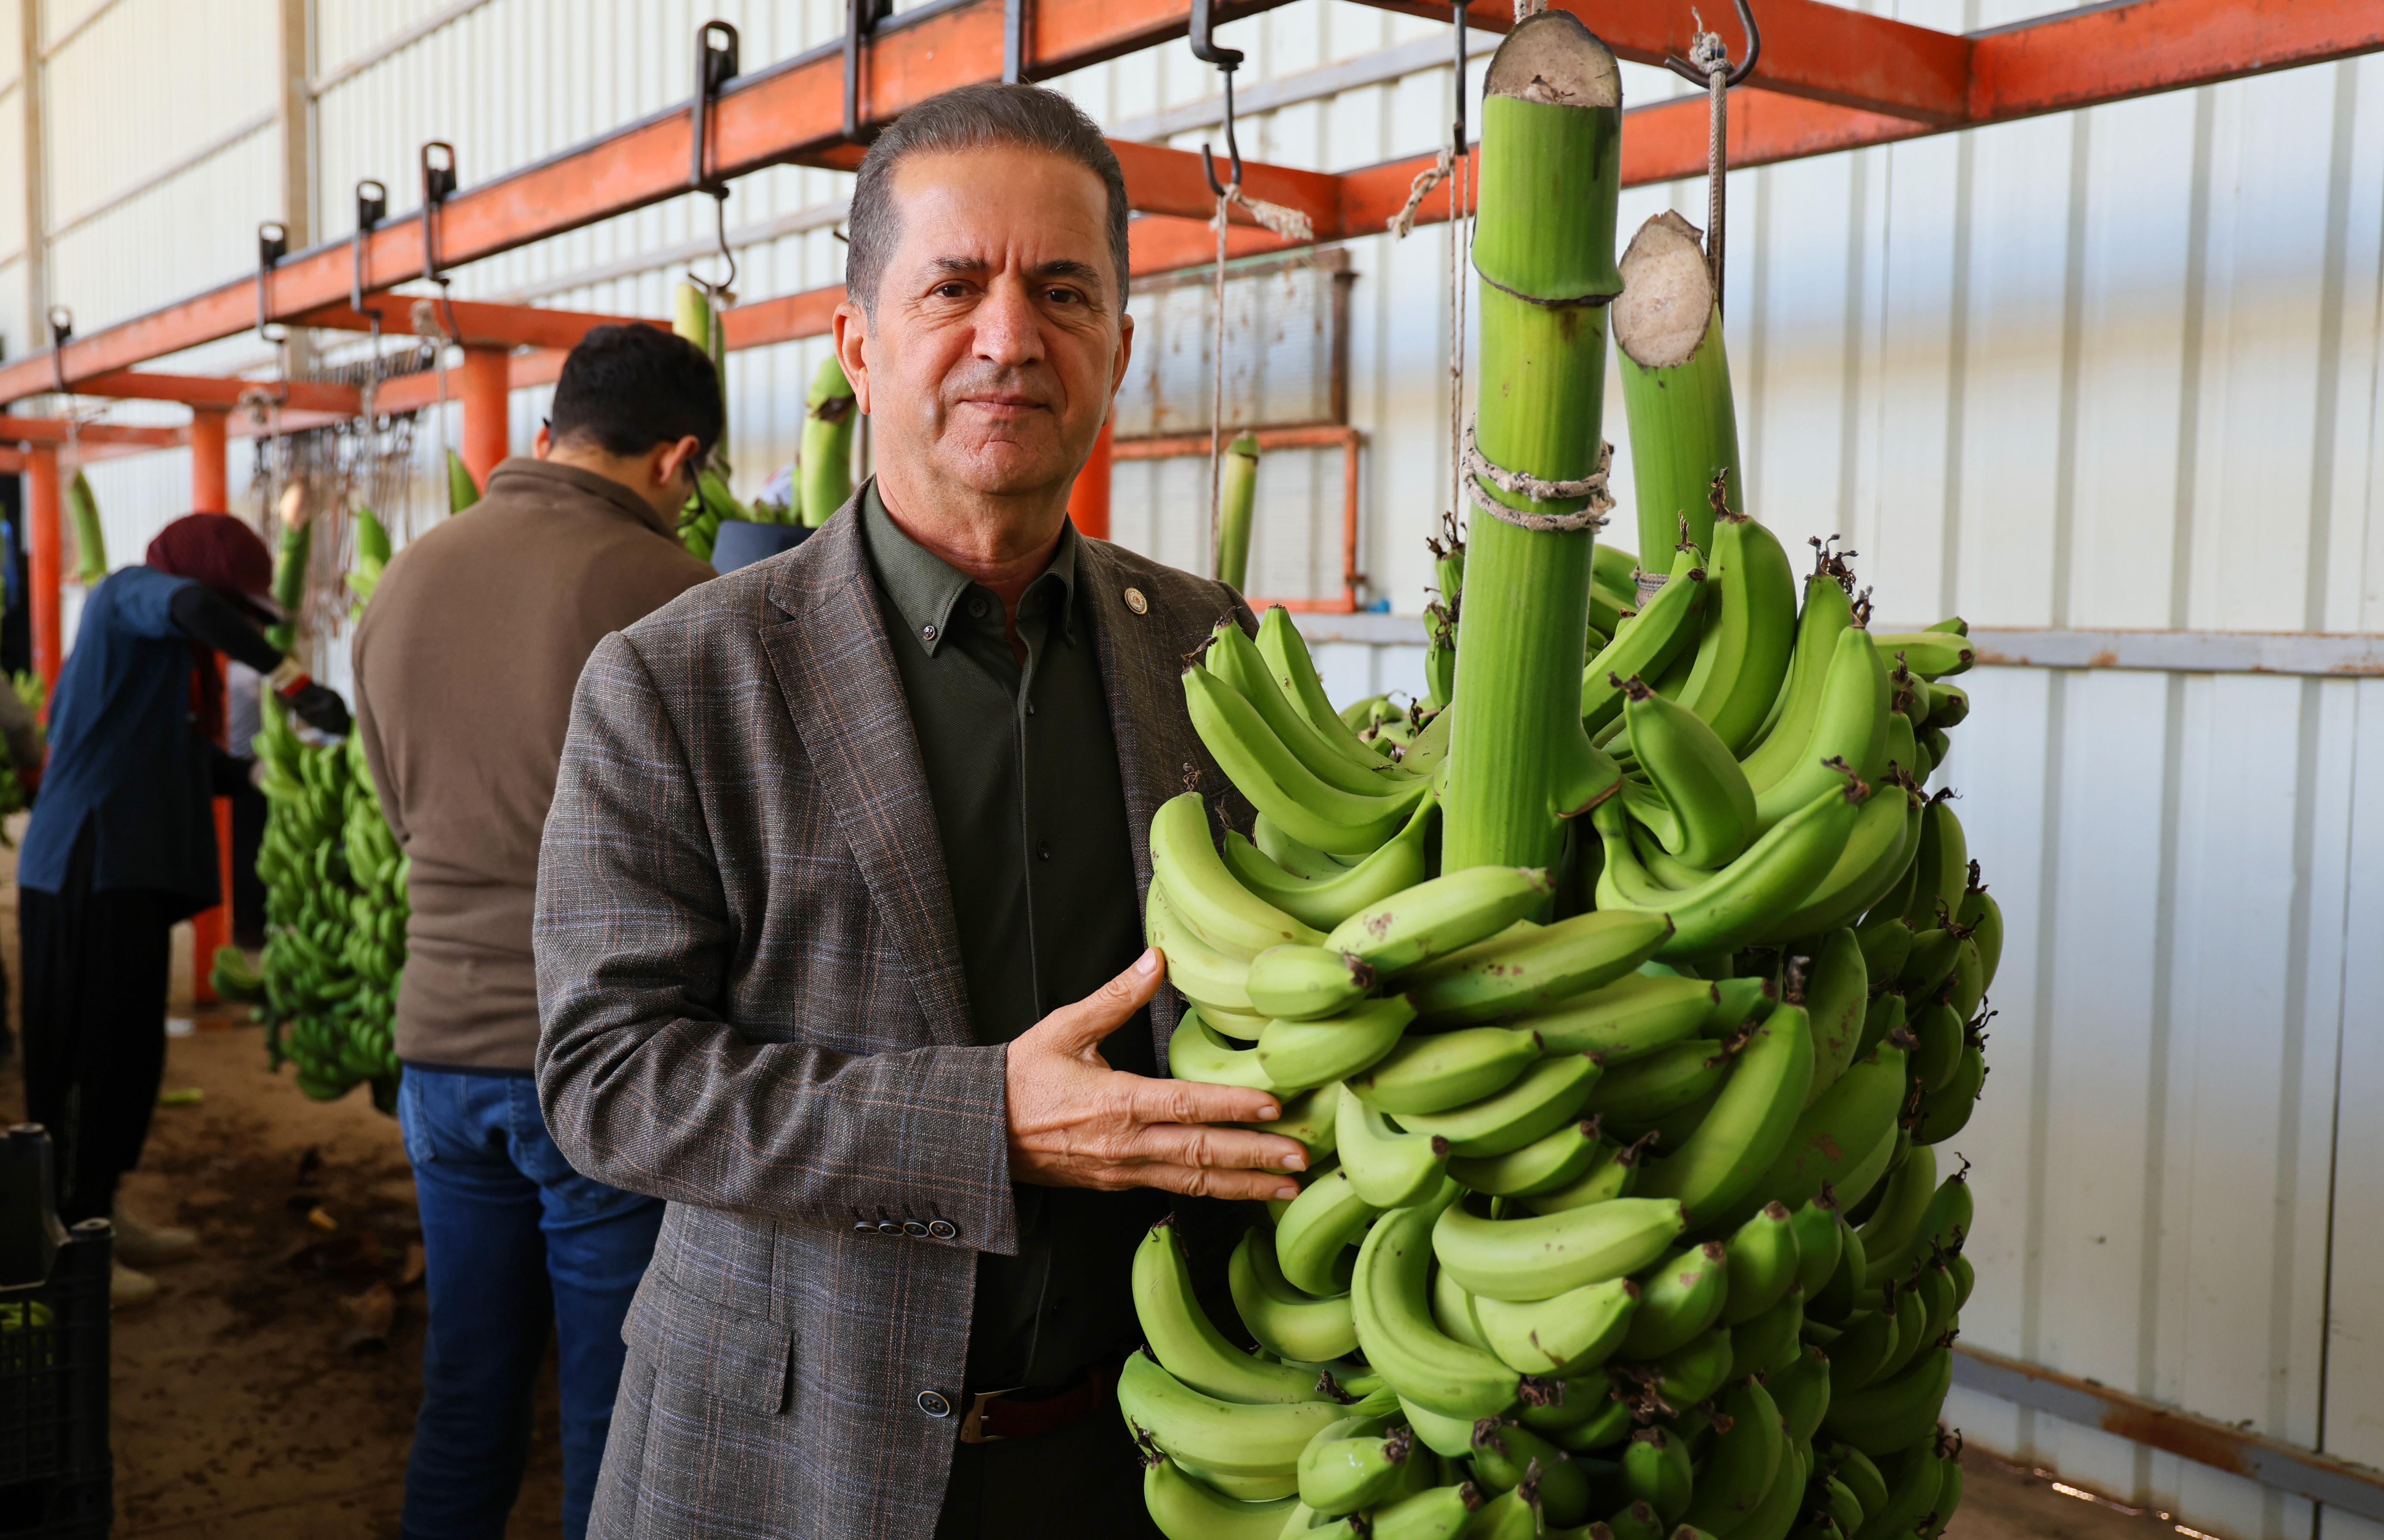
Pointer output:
x,y
1062,296
955,290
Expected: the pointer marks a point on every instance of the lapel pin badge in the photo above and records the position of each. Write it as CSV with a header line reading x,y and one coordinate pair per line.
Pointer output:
x,y
1136,602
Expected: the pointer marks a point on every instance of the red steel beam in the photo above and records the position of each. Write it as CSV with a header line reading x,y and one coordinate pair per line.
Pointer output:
x,y
204,391
15,429
472,323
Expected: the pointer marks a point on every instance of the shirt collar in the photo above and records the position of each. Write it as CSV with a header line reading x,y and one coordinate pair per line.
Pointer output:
x,y
924,588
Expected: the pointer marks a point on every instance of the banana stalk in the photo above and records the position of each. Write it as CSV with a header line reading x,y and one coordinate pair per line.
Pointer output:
x,y
1440,617
1519,761
1675,384
1237,500
829,418
462,490
692,317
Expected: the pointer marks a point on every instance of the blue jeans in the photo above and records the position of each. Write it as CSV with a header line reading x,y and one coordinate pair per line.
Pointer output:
x,y
514,1239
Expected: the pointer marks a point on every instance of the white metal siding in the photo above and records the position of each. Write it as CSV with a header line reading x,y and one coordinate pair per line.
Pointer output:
x,y
2116,368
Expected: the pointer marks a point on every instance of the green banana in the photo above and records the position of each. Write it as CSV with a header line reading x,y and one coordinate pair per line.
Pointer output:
x,y
1298,1055
1740,903
1967,988
1877,852
1326,1218
1844,1508
1883,1020
1188,1343
1440,1513
1679,1299
1751,1120
1819,1241
1536,969
1308,1118
1636,1520
1347,1468
1542,1098
1546,1164
1390,1167
1827,612
1931,654
1452,1311
1450,1069
1645,1089
1548,1254
1945,1111
1913,1478
1626,1020
1850,726
1611,1173
1887,942
1325,900
1196,969
1855,1470
1195,1052
1936,1288
1893,1224
1832,1138
1302,983
1294,673
1443,915
1449,1438
1656,1472
1744,1459
1696,801
1338,761
1690,1374
1837,998
1895,1413
1206,894
1304,862
1738,1001
1944,1225
1250,1452
1647,644
1749,631
1565,1336
1939,883
1801,1390
1186,1508
1508,1456
1391,1294
1764,1263
1964,1277
1288,1323
1937,1034
1757,1345
1338,822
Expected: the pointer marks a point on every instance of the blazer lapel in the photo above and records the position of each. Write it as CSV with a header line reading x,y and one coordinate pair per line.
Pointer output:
x,y
837,671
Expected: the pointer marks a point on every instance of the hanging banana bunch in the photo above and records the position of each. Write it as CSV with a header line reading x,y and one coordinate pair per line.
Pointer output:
x,y
1622,1007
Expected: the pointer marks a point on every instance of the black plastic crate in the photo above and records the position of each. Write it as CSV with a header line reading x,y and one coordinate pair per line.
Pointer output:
x,y
56,1471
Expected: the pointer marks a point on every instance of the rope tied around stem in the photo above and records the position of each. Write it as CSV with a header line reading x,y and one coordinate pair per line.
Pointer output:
x,y
1288,223
1402,223
1517,483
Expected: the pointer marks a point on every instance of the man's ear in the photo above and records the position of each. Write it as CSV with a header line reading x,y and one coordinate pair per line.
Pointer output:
x,y
671,458
849,330
1124,351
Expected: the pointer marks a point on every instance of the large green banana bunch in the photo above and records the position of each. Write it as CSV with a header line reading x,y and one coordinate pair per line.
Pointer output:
x,y
334,896
1621,1205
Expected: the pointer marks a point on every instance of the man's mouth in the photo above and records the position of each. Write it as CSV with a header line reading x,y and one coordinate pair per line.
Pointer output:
x,y
1005,407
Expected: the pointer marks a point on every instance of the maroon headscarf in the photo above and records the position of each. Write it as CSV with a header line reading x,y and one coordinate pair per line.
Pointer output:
x,y
227,556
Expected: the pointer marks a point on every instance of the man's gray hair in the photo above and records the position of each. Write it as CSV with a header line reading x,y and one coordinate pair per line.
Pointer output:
x,y
972,117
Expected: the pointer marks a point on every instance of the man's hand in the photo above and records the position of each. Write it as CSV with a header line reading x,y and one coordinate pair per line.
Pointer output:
x,y
1077,1123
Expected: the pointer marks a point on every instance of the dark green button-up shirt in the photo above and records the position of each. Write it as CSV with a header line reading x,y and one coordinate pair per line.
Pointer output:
x,y
1030,813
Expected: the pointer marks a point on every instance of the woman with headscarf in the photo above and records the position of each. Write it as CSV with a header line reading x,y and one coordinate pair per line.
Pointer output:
x,y
122,844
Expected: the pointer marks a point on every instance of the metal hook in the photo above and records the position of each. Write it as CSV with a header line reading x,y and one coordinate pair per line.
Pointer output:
x,y
272,245
372,207
61,331
1745,67
715,66
437,186
1205,49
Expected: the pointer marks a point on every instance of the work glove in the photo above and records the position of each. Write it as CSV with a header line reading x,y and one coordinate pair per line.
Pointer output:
x,y
320,708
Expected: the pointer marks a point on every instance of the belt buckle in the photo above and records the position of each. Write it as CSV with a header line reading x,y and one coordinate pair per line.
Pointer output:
x,y
973,1425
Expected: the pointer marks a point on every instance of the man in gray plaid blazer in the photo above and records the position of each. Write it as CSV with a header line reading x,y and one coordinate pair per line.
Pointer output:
x,y
839,907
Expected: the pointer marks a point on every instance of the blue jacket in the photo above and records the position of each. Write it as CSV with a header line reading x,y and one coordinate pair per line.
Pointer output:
x,y
125,755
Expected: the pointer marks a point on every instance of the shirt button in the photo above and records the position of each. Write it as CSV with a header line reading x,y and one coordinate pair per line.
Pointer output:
x,y
976,607
1042,850
1030,708
933,1403
943,1229
927,632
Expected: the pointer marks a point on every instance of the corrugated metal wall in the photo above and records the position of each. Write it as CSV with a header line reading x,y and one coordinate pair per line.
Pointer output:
x,y
2117,368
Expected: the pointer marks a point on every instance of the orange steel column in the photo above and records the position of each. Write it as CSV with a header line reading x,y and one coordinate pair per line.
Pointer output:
x,y
1089,500
210,483
42,541
486,410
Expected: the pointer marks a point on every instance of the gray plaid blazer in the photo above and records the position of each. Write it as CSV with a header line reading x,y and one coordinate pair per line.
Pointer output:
x,y
752,1005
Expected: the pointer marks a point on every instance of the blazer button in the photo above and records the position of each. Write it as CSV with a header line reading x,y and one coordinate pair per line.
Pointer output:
x,y
933,1405
943,1229
914,1229
889,1226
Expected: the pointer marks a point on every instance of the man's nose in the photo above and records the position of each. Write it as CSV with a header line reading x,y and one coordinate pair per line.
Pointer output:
x,y
1009,331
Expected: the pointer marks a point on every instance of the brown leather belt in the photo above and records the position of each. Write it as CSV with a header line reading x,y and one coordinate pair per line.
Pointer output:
x,y
991,1417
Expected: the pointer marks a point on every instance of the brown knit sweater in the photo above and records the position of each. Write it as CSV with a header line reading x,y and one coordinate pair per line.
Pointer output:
x,y
465,667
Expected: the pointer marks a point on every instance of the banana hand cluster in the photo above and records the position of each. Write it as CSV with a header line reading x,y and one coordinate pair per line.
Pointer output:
x,y
1623,1207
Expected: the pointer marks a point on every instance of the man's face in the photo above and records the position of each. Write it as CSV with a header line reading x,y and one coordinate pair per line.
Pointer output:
x,y
999,334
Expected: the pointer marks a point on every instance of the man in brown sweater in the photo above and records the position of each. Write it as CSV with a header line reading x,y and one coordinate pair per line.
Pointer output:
x,y
465,667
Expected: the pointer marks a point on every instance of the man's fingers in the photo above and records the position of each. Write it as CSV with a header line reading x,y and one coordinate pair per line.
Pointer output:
x,y
1195,1101
1076,1029
1212,1182
1195,1145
